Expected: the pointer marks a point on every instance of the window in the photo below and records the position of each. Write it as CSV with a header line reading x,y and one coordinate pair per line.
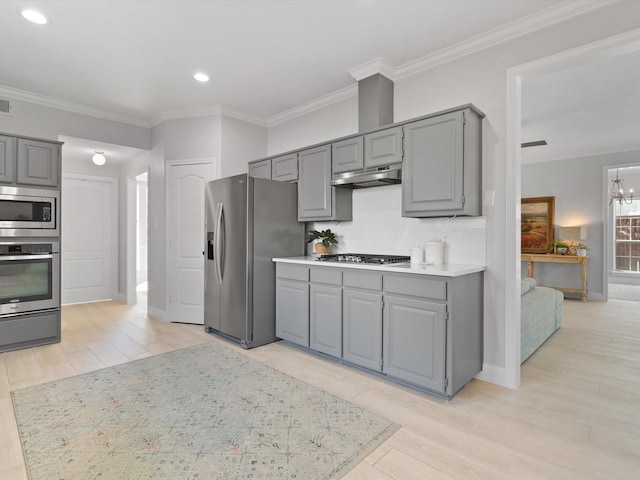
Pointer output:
x,y
627,236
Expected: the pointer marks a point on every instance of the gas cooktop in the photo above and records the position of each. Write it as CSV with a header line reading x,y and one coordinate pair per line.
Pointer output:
x,y
364,258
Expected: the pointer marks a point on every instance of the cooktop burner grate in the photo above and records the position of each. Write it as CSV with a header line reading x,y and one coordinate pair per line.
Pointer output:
x,y
364,258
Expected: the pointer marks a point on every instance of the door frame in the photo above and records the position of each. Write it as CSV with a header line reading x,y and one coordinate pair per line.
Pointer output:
x,y
172,163
513,195
114,223
130,295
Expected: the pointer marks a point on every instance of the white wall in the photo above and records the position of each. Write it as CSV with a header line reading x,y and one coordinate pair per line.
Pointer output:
x,y
480,78
241,142
34,120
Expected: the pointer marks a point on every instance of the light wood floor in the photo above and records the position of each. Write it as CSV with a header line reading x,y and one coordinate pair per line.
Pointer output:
x,y
575,416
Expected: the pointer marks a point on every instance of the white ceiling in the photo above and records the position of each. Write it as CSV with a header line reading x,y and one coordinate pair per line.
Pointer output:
x,y
134,60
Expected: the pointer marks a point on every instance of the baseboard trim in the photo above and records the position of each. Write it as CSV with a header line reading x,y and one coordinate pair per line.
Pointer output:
x,y
156,313
494,374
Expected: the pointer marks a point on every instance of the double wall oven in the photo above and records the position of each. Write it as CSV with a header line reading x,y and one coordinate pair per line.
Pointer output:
x,y
29,267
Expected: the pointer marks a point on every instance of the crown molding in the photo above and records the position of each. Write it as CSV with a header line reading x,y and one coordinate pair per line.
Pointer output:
x,y
207,111
313,105
535,159
372,67
550,16
58,104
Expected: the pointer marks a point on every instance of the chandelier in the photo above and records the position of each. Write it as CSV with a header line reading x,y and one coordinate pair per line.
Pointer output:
x,y
617,192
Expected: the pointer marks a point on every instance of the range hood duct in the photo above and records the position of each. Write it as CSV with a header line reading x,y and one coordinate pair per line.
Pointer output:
x,y
375,110
375,102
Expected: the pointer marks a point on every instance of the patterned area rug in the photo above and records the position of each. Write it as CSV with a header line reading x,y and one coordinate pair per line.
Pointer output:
x,y
204,412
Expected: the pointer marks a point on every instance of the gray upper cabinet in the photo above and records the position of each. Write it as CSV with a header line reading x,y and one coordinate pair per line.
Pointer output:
x,y
38,163
442,170
317,199
7,159
285,168
261,169
348,155
383,147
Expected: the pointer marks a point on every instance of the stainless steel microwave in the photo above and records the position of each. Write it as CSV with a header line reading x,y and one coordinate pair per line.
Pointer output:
x,y
29,212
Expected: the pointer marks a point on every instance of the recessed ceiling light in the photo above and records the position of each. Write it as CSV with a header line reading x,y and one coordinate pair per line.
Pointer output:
x,y
201,77
35,17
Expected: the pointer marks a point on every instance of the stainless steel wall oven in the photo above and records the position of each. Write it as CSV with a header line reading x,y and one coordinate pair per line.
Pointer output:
x,y
29,212
29,277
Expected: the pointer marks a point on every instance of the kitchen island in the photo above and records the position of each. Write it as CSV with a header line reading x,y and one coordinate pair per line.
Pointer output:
x,y
420,325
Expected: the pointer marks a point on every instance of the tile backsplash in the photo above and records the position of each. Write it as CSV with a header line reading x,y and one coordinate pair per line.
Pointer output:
x,y
378,227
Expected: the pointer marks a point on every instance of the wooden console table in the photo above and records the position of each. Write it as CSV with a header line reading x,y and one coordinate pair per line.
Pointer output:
x,y
532,258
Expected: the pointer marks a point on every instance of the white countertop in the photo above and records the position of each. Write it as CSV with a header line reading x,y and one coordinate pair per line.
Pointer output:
x,y
446,270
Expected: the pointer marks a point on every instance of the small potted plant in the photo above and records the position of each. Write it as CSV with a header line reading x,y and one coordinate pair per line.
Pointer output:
x,y
581,249
324,240
560,247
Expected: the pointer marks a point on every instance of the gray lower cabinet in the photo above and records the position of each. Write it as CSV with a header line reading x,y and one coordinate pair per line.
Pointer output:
x,y
261,169
292,303
414,339
38,163
362,328
325,319
422,330
317,199
442,169
29,330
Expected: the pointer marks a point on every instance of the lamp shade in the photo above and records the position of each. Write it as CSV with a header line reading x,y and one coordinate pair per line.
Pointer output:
x,y
570,233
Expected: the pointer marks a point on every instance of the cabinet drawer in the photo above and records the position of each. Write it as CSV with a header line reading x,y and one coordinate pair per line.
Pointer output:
x,y
416,286
359,279
330,276
292,272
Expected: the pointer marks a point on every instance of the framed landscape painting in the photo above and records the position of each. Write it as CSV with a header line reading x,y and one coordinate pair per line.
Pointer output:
x,y
536,224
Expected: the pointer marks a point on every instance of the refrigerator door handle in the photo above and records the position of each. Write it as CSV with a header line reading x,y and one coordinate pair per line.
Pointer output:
x,y
217,243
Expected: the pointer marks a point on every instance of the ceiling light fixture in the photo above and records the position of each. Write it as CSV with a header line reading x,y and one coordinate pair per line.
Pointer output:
x,y
35,17
201,77
99,158
617,192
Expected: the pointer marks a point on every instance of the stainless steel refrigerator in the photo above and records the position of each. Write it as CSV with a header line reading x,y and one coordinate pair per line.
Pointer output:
x,y
248,222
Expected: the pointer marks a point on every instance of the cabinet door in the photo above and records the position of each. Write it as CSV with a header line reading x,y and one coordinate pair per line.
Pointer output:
x,y
285,168
7,159
261,169
292,311
432,178
347,155
38,163
414,341
326,319
383,148
314,189
362,328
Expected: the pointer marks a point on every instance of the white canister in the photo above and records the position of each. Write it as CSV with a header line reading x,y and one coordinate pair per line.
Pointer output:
x,y
417,256
434,253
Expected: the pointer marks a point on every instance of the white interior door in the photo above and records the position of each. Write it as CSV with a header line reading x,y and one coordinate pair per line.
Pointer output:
x,y
88,239
185,269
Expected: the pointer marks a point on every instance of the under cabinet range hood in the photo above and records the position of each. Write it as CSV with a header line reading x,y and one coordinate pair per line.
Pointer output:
x,y
368,177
